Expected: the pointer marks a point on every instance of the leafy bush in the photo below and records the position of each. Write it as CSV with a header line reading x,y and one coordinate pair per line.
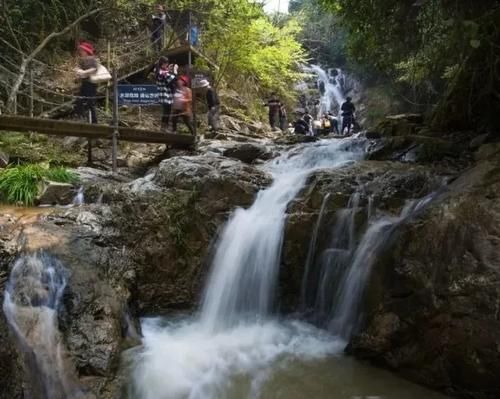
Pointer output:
x,y
20,184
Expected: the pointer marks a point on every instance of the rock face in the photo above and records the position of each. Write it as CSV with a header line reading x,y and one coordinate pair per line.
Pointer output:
x,y
96,297
434,299
54,193
171,220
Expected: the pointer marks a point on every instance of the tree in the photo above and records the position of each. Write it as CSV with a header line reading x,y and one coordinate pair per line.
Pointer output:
x,y
430,47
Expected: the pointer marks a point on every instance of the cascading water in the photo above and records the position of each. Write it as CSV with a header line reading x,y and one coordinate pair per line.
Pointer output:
x,y
345,266
32,299
332,81
235,348
235,333
246,262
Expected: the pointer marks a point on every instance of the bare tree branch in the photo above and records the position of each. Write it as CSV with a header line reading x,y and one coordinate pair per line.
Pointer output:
x,y
26,61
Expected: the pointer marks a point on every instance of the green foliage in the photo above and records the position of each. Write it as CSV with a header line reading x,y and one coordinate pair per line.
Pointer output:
x,y
60,174
422,46
255,55
36,148
20,184
322,33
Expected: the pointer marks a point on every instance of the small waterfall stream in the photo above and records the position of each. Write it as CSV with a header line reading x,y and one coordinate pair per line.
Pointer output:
x,y
33,297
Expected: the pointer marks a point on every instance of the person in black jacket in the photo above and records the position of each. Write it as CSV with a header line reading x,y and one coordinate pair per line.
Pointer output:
x,y
348,110
274,105
158,23
213,105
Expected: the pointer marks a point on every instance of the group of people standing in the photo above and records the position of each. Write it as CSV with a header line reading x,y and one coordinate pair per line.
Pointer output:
x,y
176,98
328,123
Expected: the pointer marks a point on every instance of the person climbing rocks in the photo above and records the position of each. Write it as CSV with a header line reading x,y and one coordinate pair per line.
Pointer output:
x,y
283,118
166,75
274,105
87,66
158,24
334,123
213,105
301,126
308,119
348,110
182,107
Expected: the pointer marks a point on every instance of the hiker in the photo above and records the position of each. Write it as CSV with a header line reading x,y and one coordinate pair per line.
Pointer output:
x,y
316,127
158,23
182,107
301,126
166,75
308,118
87,66
274,105
348,110
334,123
283,120
326,125
213,105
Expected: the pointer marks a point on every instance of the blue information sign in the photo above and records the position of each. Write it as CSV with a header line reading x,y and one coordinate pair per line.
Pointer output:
x,y
137,94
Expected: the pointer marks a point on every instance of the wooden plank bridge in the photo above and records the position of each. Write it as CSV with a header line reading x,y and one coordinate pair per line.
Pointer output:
x,y
52,127
23,124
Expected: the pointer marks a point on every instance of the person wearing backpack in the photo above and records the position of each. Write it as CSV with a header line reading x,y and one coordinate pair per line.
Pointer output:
x,y
87,66
182,106
166,75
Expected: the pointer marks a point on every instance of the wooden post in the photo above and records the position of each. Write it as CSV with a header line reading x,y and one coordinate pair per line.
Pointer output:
x,y
89,143
32,92
114,150
106,106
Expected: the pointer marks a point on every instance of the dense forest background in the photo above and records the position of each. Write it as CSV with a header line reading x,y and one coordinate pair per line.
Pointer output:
x,y
440,57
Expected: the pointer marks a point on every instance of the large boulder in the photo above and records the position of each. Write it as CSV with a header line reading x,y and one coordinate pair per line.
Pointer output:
x,y
433,299
169,219
54,193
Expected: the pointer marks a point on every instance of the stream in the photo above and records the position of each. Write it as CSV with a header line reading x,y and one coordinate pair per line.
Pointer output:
x,y
236,346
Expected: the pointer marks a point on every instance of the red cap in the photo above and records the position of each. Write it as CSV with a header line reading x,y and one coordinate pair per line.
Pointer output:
x,y
87,47
185,79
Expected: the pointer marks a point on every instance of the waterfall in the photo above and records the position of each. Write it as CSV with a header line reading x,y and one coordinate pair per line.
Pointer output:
x,y
241,285
332,80
33,297
79,199
235,333
346,264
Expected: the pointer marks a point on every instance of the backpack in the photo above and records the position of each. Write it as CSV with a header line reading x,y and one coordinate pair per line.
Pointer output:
x,y
102,75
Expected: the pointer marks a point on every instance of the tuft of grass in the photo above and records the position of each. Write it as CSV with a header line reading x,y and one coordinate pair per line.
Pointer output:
x,y
21,184
61,174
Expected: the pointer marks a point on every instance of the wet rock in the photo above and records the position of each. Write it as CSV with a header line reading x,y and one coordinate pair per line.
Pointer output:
x,y
432,303
487,151
54,193
414,148
247,152
291,139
